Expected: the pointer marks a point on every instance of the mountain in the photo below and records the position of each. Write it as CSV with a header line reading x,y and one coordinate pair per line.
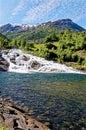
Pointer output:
x,y
13,28
59,24
64,24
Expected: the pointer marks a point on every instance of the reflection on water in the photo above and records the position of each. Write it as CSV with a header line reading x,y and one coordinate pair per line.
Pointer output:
x,y
56,99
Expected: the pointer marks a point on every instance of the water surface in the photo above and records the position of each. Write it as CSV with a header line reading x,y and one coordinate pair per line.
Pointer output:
x,y
58,100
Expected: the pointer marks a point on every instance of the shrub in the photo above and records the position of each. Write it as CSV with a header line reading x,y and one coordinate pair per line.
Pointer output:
x,y
80,60
29,46
49,55
50,46
51,38
75,57
63,46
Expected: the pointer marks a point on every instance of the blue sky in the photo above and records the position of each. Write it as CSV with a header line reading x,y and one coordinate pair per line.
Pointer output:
x,y
39,11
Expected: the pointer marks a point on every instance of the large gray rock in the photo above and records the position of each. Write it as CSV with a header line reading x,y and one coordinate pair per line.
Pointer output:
x,y
4,65
12,59
25,58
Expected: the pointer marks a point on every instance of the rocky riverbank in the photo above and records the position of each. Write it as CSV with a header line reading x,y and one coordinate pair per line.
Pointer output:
x,y
17,61
13,117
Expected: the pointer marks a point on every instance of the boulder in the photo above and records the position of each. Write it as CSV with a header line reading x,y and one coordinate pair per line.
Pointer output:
x,y
4,65
25,58
34,64
13,60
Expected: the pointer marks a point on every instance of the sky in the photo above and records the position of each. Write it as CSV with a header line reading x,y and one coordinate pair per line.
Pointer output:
x,y
34,12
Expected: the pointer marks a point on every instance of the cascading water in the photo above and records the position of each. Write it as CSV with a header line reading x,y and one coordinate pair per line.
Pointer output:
x,y
26,63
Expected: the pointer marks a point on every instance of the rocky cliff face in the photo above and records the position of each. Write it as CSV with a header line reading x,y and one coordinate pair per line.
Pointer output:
x,y
13,117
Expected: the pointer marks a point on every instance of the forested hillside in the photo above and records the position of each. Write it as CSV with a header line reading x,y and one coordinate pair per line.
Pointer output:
x,y
4,41
65,46
39,31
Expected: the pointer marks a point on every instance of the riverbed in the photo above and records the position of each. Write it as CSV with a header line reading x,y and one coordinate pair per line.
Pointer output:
x,y
56,99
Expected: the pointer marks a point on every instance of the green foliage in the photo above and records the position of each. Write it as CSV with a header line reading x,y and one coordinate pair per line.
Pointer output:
x,y
33,34
62,46
75,57
51,38
23,43
80,60
4,42
13,42
50,55
29,46
50,46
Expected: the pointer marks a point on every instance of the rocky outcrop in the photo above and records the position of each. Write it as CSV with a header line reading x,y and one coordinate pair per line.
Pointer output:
x,y
4,65
14,118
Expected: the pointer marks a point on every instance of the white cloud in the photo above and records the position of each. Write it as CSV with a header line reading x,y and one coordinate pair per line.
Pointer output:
x,y
37,11
35,1
41,11
19,7
75,10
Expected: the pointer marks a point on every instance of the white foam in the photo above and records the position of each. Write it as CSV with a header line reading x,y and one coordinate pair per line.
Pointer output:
x,y
24,66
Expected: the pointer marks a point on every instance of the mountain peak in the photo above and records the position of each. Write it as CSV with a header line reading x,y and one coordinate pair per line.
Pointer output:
x,y
61,24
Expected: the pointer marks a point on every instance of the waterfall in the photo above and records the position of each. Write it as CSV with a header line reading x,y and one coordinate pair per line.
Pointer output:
x,y
27,63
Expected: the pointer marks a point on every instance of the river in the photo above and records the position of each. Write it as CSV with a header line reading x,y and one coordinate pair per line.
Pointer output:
x,y
58,100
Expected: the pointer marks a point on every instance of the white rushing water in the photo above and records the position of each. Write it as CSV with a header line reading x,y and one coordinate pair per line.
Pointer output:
x,y
27,63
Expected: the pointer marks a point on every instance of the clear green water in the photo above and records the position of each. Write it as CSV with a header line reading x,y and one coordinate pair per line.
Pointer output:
x,y
58,100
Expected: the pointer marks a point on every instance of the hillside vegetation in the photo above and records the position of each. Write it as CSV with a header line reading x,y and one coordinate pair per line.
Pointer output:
x,y
4,41
65,46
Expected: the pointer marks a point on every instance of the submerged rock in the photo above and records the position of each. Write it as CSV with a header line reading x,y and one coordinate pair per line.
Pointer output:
x,y
13,117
